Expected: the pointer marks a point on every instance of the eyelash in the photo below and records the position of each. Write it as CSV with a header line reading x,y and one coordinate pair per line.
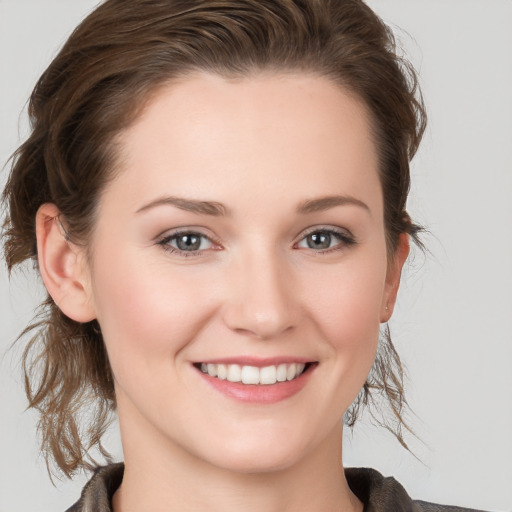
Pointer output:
x,y
165,243
345,240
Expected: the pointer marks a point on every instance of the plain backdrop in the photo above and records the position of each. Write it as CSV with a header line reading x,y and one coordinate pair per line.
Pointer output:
x,y
452,326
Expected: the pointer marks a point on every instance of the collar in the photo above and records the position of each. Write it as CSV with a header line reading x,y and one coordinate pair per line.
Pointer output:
x,y
378,493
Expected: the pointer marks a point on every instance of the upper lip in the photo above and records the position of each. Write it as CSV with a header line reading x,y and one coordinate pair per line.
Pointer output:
x,y
256,361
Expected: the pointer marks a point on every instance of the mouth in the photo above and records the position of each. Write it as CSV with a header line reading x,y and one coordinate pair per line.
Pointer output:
x,y
254,375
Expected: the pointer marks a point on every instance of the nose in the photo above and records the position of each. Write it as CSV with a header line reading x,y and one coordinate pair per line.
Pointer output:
x,y
262,301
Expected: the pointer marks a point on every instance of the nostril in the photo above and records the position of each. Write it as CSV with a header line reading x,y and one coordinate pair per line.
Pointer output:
x,y
260,303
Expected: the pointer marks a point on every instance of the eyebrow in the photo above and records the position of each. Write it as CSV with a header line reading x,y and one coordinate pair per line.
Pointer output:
x,y
327,202
218,209
190,205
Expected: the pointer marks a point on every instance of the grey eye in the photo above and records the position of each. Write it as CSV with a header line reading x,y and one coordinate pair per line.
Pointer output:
x,y
319,240
324,239
188,242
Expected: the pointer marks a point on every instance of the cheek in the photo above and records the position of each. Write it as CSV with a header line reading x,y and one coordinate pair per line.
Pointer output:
x,y
346,303
147,314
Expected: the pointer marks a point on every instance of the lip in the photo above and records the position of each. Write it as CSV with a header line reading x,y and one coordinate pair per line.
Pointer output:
x,y
258,393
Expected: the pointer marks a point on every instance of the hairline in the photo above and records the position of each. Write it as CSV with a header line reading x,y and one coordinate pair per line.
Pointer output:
x,y
115,162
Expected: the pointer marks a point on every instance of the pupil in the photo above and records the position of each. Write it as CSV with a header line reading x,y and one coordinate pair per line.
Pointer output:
x,y
319,241
188,242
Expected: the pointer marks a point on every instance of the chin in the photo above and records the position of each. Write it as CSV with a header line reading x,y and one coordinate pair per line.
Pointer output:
x,y
250,463
251,456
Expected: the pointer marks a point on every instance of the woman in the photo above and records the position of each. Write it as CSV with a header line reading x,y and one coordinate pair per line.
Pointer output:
x,y
218,196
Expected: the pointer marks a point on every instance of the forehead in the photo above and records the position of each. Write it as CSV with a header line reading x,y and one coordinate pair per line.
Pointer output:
x,y
210,134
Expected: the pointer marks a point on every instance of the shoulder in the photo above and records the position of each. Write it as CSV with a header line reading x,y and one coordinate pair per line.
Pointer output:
x,y
434,507
385,494
97,493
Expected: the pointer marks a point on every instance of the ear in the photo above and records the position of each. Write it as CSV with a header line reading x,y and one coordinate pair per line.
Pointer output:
x,y
62,266
393,277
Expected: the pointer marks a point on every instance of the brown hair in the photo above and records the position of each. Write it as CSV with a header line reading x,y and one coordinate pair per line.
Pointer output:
x,y
95,88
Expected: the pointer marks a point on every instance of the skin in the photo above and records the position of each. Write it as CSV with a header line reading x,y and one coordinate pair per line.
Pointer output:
x,y
262,147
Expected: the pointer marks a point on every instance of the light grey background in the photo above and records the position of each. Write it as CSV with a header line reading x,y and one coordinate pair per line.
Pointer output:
x,y
453,323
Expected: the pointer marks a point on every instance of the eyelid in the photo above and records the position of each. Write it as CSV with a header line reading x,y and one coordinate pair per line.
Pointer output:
x,y
198,230
345,236
164,238
344,232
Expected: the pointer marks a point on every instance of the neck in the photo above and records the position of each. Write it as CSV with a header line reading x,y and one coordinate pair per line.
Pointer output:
x,y
157,479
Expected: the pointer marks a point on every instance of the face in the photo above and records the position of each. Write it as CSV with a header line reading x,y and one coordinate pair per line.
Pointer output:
x,y
243,238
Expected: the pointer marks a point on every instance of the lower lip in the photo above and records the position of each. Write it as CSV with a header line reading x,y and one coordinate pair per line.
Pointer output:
x,y
262,393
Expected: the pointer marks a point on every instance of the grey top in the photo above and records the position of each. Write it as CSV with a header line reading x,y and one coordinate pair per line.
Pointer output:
x,y
378,493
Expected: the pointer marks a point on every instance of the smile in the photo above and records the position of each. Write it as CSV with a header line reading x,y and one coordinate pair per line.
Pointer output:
x,y
266,375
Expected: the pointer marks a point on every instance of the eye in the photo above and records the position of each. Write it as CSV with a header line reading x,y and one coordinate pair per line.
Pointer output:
x,y
190,242
323,240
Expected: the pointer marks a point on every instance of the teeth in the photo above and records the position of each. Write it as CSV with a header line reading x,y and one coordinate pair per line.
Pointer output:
x,y
234,373
281,373
268,375
222,371
252,374
291,372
